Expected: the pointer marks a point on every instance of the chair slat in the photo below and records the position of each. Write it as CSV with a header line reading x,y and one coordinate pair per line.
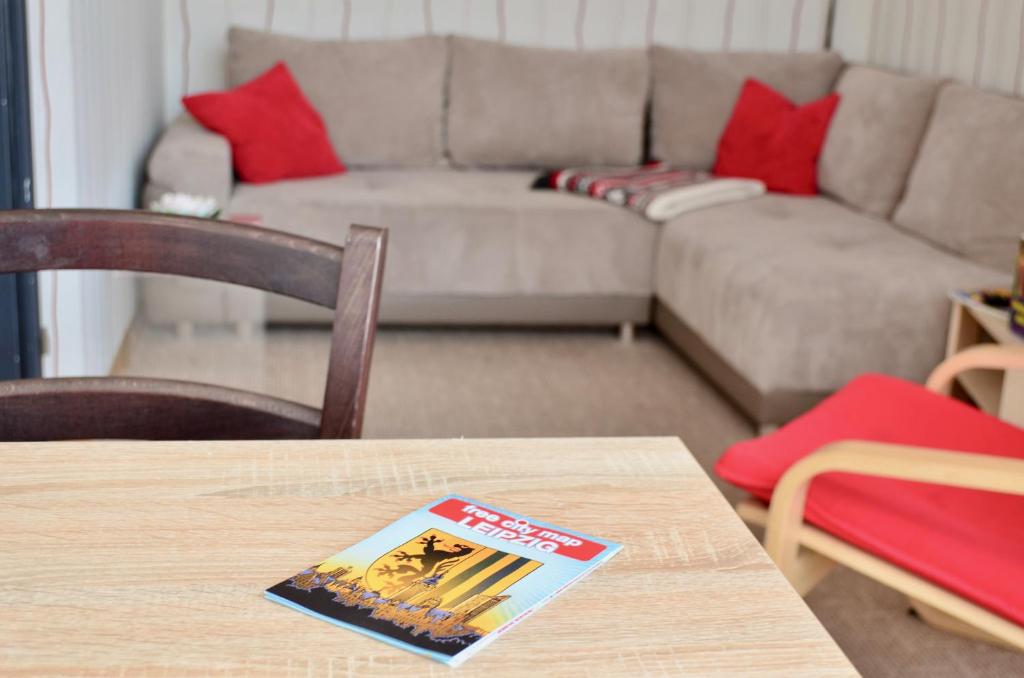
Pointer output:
x,y
125,240
146,409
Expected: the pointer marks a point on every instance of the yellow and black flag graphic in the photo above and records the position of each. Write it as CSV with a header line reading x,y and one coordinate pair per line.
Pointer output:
x,y
445,571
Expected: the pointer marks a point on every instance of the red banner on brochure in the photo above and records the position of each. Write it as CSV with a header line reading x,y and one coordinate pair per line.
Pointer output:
x,y
517,530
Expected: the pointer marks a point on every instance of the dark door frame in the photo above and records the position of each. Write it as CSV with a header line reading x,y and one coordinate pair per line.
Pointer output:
x,y
19,299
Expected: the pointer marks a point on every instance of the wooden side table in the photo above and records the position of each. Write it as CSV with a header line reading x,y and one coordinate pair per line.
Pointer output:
x,y
992,391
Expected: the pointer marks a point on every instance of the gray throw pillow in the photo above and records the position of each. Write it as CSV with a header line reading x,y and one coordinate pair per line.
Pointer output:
x,y
965,191
874,137
529,107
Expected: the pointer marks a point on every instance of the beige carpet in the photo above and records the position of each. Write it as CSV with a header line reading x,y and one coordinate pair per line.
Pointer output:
x,y
448,383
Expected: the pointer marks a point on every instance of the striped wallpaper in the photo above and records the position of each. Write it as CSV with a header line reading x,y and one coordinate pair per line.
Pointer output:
x,y
194,29
97,105
980,42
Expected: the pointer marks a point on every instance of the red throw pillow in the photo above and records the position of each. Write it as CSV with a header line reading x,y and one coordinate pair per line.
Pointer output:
x,y
772,139
275,133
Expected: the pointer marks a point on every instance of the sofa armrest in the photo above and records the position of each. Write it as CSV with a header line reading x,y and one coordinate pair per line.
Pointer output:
x,y
188,158
956,469
980,357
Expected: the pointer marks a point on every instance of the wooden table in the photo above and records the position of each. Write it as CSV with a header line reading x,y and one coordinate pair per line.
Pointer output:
x,y
152,558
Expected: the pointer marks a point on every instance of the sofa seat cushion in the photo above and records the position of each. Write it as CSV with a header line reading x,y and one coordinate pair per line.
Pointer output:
x,y
469,232
382,101
512,106
874,137
694,92
965,191
968,541
801,294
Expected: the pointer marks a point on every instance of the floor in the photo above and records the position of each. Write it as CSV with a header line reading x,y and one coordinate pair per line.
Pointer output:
x,y
452,383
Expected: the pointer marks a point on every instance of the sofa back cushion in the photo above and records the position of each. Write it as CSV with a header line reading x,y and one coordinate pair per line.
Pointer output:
x,y
530,107
382,101
694,92
874,137
966,190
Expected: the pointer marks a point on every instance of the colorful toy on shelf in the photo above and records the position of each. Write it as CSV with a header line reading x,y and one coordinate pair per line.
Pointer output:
x,y
1017,296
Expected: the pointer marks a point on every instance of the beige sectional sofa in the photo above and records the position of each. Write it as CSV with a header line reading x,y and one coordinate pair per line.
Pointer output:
x,y
780,299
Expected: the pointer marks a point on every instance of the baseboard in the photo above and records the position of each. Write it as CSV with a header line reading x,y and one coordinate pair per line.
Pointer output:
x,y
483,310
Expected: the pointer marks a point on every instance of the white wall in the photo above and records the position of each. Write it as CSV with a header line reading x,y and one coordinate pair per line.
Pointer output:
x,y
104,81
980,42
195,30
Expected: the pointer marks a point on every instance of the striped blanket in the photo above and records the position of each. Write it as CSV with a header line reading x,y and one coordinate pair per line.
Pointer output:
x,y
657,190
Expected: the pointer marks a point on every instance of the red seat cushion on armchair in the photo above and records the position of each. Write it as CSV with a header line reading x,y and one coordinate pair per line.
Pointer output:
x,y
275,133
967,541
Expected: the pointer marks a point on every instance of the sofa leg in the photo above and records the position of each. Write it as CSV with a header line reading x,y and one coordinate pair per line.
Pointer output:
x,y
626,333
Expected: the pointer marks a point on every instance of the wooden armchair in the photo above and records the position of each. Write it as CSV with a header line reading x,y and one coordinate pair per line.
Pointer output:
x,y
346,279
806,553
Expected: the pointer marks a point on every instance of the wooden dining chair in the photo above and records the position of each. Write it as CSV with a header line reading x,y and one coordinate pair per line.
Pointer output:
x,y
346,279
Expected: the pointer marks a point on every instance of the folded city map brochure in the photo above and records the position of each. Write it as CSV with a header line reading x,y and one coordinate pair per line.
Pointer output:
x,y
445,580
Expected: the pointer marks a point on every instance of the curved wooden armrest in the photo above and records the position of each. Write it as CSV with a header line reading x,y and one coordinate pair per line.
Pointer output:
x,y
956,469
980,357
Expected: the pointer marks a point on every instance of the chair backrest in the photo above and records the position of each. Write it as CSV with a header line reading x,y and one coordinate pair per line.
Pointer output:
x,y
346,279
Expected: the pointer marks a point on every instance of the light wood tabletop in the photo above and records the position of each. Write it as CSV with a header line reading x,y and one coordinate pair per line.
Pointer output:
x,y
152,558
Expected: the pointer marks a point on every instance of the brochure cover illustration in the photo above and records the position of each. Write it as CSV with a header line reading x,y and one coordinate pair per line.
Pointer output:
x,y
445,580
